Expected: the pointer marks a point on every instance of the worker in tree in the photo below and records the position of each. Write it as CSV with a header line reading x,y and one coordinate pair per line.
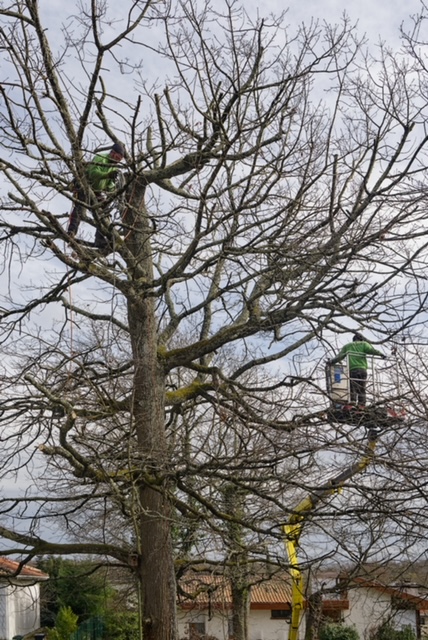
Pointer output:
x,y
101,173
357,352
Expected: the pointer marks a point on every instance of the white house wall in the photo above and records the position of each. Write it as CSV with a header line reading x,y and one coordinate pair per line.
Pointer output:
x,y
23,610
4,619
372,607
261,626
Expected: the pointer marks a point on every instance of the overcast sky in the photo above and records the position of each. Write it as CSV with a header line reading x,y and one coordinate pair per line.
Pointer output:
x,y
379,19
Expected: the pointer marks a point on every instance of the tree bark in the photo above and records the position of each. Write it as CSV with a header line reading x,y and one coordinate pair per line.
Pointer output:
x,y
240,607
313,616
234,500
156,569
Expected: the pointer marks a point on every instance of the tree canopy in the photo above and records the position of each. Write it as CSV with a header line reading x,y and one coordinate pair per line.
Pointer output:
x,y
272,200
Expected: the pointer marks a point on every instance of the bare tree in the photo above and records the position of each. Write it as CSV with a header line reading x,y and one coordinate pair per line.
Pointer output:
x,y
274,196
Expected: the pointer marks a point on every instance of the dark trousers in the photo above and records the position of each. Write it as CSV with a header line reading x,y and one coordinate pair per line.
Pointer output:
x,y
76,216
358,379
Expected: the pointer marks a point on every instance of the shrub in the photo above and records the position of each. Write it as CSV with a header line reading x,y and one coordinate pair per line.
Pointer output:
x,y
387,632
65,624
338,631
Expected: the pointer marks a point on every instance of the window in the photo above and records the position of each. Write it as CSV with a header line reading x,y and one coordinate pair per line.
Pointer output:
x,y
332,616
280,614
196,630
400,604
230,627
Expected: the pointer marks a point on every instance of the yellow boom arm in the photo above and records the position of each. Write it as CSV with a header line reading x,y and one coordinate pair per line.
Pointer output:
x,y
293,529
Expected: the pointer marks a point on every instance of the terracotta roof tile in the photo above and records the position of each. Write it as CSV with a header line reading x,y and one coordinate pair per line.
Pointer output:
x,y
205,588
10,568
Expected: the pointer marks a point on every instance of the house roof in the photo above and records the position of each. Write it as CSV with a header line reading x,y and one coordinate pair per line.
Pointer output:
x,y
206,590
12,568
418,602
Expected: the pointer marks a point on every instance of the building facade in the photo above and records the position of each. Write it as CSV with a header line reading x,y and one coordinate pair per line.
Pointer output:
x,y
19,598
362,604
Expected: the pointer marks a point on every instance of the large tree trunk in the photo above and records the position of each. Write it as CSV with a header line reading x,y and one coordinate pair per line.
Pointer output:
x,y
156,568
313,616
240,606
234,504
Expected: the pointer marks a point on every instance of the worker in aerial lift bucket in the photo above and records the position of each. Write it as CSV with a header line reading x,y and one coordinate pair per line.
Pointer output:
x,y
357,352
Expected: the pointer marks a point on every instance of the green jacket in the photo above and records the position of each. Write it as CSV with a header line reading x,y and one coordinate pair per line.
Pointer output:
x,y
101,172
357,352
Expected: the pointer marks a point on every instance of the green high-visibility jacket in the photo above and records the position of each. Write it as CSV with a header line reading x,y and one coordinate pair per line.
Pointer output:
x,y
357,352
101,172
